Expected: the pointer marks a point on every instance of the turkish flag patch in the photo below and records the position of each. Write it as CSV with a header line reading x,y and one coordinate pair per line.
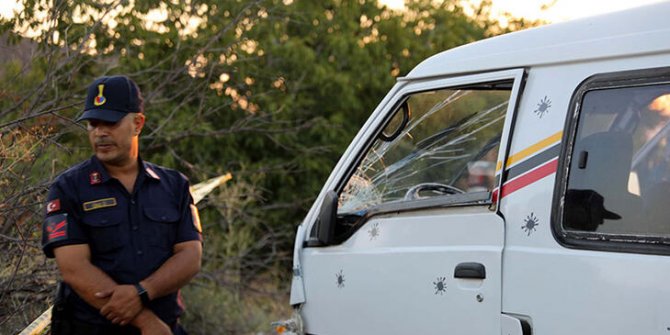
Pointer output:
x,y
55,228
53,206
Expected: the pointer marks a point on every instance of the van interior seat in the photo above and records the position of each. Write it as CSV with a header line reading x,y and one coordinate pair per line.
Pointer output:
x,y
608,158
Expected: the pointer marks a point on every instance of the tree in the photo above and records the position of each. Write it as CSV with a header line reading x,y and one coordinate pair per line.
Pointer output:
x,y
270,90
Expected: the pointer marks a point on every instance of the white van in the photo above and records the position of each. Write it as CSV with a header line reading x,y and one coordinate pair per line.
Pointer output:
x,y
516,185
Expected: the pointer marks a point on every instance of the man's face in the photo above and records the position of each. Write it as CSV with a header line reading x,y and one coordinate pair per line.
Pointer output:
x,y
116,143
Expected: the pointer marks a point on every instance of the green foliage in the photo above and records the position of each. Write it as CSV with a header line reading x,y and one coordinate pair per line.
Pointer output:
x,y
269,90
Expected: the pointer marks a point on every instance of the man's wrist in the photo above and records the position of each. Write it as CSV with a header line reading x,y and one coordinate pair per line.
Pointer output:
x,y
144,319
143,294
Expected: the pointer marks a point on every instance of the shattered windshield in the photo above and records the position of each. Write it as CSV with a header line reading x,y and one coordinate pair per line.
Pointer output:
x,y
448,146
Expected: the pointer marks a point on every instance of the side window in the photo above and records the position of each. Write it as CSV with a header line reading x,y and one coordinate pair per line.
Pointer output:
x,y
619,171
438,143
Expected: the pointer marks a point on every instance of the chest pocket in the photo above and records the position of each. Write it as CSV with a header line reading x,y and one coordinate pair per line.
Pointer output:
x,y
163,222
104,227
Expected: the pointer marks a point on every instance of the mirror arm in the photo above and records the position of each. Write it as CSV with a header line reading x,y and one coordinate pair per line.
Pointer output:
x,y
327,219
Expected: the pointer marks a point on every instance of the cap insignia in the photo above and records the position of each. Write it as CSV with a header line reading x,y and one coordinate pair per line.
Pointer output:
x,y
100,99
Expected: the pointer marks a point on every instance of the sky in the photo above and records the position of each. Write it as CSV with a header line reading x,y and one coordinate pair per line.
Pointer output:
x,y
6,7
561,10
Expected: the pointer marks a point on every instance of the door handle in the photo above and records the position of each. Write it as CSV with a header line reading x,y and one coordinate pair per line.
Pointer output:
x,y
470,270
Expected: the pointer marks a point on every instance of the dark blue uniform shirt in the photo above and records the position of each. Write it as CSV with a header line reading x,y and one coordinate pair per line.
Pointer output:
x,y
130,234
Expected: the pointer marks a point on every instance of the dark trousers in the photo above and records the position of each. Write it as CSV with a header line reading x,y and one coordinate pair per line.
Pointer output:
x,y
82,328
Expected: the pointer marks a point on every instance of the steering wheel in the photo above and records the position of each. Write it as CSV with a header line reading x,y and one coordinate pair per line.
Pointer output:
x,y
414,191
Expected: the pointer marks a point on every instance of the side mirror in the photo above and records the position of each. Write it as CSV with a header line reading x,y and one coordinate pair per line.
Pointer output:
x,y
327,219
396,125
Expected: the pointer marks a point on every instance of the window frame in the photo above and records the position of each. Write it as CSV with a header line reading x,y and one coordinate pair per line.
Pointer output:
x,y
482,197
628,243
515,77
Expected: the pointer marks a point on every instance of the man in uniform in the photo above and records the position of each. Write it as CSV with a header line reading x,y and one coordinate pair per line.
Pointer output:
x,y
125,233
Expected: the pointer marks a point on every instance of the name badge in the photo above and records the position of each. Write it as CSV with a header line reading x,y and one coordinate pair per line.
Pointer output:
x,y
98,204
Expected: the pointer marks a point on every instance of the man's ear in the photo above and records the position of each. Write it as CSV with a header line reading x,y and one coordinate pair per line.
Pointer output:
x,y
138,122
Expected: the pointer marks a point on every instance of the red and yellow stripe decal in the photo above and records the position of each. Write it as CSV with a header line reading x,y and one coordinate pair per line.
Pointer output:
x,y
519,156
529,178
530,165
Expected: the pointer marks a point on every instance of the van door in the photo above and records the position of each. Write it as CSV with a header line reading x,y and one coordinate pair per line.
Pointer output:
x,y
417,241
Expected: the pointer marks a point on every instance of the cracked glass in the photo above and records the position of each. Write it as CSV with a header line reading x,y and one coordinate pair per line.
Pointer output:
x,y
449,145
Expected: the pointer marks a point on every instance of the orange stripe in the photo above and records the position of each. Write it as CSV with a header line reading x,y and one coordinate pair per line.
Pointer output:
x,y
513,159
534,148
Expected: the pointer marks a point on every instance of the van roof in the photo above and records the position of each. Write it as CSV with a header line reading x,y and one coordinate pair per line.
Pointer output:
x,y
637,31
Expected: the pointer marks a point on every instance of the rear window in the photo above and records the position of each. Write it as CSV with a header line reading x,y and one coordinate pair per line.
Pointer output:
x,y
618,180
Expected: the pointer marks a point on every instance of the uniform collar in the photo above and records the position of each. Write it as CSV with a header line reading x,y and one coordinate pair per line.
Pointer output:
x,y
97,174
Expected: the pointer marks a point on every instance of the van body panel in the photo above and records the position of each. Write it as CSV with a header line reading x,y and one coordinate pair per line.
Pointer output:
x,y
395,273
636,31
413,254
409,268
297,286
599,292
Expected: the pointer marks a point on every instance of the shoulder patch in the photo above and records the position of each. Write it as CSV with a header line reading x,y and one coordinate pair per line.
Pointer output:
x,y
196,218
55,228
53,206
100,203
